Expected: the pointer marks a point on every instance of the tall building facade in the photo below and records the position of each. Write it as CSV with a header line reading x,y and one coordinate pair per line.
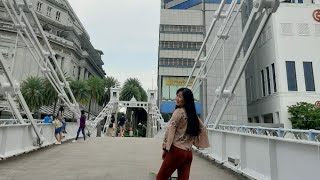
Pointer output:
x,y
75,54
183,26
284,66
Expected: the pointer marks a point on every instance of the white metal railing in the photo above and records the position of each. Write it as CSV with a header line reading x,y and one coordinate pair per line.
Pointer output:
x,y
297,134
20,138
15,121
264,157
40,53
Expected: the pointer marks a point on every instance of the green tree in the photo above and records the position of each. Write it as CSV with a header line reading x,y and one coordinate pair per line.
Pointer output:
x,y
128,91
32,90
80,90
96,90
304,116
110,82
50,94
132,87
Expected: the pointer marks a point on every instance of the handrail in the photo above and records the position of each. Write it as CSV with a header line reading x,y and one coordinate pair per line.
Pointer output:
x,y
298,134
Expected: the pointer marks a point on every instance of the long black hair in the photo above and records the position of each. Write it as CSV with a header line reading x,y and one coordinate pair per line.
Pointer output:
x,y
193,122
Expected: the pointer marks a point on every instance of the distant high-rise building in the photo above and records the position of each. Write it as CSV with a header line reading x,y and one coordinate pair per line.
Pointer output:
x,y
183,26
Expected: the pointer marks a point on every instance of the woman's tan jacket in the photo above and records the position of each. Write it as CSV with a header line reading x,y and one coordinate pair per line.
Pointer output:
x,y
176,133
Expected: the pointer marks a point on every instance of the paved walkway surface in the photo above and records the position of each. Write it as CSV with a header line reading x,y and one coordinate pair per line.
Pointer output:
x,y
102,158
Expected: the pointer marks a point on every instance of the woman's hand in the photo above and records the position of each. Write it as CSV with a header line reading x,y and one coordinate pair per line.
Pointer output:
x,y
164,153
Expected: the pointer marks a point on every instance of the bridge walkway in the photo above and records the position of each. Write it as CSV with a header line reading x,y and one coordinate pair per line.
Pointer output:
x,y
102,158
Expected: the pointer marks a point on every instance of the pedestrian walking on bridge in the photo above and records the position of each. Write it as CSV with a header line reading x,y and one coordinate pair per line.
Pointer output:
x,y
82,126
121,123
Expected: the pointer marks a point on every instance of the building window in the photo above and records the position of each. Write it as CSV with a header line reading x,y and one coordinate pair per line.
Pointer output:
x,y
74,71
308,76
268,80
263,83
268,118
79,71
39,6
179,62
291,76
185,29
300,1
49,9
180,45
58,14
274,78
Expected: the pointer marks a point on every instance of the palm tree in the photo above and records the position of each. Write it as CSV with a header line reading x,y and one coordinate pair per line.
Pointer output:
x,y
32,90
110,82
80,90
96,90
128,91
144,95
132,87
50,94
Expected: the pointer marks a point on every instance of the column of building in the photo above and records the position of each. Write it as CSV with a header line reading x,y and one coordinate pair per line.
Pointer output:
x,y
82,69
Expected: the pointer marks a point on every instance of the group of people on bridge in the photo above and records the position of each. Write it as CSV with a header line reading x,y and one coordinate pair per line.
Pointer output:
x,y
59,123
112,126
184,130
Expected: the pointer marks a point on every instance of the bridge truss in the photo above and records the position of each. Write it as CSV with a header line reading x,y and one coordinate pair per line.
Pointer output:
x,y
261,12
154,121
20,11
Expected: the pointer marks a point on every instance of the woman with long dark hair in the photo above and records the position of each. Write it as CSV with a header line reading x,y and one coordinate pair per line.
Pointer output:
x,y
184,130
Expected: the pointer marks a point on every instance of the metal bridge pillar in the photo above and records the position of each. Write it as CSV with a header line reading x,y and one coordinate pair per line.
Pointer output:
x,y
114,94
151,121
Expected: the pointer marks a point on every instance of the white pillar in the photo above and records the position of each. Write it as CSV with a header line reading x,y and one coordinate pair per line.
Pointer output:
x,y
261,119
87,75
82,70
276,119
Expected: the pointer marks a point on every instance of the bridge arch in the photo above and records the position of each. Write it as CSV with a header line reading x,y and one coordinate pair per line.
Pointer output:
x,y
154,118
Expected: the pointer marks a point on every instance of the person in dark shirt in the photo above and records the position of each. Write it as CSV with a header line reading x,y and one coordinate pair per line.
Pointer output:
x,y
111,127
82,127
121,123
61,118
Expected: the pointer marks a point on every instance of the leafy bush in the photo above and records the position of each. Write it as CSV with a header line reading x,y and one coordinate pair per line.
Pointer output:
x,y
304,116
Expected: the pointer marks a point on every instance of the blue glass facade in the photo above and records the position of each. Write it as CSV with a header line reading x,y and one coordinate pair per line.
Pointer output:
x,y
169,106
190,3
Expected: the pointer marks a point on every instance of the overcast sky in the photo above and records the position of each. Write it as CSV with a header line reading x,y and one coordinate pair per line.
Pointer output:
x,y
127,32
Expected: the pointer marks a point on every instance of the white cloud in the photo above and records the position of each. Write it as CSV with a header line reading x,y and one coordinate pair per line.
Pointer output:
x,y
127,32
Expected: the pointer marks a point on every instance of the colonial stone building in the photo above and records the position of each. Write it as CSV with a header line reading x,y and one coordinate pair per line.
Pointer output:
x,y
67,36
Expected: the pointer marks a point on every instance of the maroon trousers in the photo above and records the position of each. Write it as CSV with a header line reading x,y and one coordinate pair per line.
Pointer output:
x,y
176,159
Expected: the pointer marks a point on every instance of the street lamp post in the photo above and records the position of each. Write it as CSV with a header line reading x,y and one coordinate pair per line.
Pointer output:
x,y
130,128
